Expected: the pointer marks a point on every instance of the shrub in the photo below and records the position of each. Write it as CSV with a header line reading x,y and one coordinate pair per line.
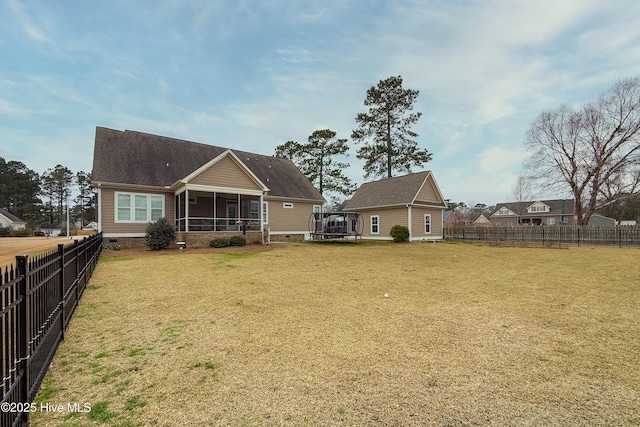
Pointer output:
x,y
21,233
4,231
400,233
220,242
238,240
160,234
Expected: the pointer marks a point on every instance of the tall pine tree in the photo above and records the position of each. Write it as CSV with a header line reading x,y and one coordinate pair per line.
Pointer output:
x,y
385,130
316,160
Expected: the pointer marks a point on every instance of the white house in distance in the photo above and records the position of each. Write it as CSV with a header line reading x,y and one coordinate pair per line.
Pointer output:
x,y
8,220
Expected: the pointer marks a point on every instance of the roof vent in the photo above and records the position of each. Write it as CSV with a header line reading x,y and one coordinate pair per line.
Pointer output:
x,y
167,164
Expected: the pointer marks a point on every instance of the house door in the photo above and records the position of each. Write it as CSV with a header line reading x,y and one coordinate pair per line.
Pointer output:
x,y
232,210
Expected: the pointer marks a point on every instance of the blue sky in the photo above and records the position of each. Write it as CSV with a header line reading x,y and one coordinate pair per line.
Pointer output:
x,y
253,74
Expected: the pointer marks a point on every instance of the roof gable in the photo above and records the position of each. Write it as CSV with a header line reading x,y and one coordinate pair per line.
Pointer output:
x,y
414,188
11,217
141,159
226,170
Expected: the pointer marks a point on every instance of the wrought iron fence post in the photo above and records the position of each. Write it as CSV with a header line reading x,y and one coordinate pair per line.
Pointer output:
x,y
61,278
24,334
76,247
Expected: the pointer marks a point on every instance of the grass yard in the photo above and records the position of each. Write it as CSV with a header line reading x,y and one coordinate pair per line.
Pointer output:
x,y
302,335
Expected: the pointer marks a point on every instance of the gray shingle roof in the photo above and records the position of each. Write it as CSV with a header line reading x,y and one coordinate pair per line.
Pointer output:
x,y
11,216
556,207
130,157
388,192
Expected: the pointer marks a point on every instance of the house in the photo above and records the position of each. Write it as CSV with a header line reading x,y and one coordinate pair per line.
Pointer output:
x,y
50,229
537,212
9,220
482,221
453,218
597,220
205,190
413,200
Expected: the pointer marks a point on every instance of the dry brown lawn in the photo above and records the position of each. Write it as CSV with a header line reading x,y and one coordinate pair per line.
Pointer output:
x,y
302,335
32,246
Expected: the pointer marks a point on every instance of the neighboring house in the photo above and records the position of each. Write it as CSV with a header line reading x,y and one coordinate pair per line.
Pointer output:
x,y
204,190
538,212
412,200
453,218
482,221
597,220
9,220
50,229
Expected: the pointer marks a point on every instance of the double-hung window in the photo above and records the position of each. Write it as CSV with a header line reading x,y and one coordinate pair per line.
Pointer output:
x,y
136,207
375,224
427,223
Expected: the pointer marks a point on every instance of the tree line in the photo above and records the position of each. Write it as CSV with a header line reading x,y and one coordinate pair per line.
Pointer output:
x,y
37,199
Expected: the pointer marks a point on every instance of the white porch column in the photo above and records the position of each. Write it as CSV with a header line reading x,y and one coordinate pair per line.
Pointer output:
x,y
409,221
186,210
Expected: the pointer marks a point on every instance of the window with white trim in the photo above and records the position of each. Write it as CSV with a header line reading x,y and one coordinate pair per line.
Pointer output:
x,y
551,221
375,224
287,205
265,212
427,223
137,207
254,210
317,208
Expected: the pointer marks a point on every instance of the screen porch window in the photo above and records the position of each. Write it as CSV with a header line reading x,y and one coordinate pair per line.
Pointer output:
x,y
254,210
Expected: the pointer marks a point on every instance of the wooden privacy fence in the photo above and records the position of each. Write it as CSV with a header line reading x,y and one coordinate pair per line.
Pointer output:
x,y
38,297
541,235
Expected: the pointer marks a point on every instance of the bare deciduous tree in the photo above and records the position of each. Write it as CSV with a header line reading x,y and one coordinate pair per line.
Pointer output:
x,y
590,149
521,193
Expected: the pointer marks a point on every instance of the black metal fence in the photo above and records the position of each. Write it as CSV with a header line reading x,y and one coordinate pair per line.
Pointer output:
x,y
621,236
38,297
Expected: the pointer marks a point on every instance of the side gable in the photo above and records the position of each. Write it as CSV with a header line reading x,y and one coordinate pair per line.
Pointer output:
x,y
417,188
225,171
429,192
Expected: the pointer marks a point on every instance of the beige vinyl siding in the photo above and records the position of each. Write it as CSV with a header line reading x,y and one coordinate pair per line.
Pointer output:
x,y
294,219
428,193
108,209
225,173
388,218
417,223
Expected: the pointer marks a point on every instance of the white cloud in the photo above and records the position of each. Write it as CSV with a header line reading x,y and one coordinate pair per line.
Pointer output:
x,y
496,159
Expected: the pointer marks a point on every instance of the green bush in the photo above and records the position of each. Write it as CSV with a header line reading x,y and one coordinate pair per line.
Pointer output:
x,y
238,241
4,231
400,233
160,234
220,242
21,233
